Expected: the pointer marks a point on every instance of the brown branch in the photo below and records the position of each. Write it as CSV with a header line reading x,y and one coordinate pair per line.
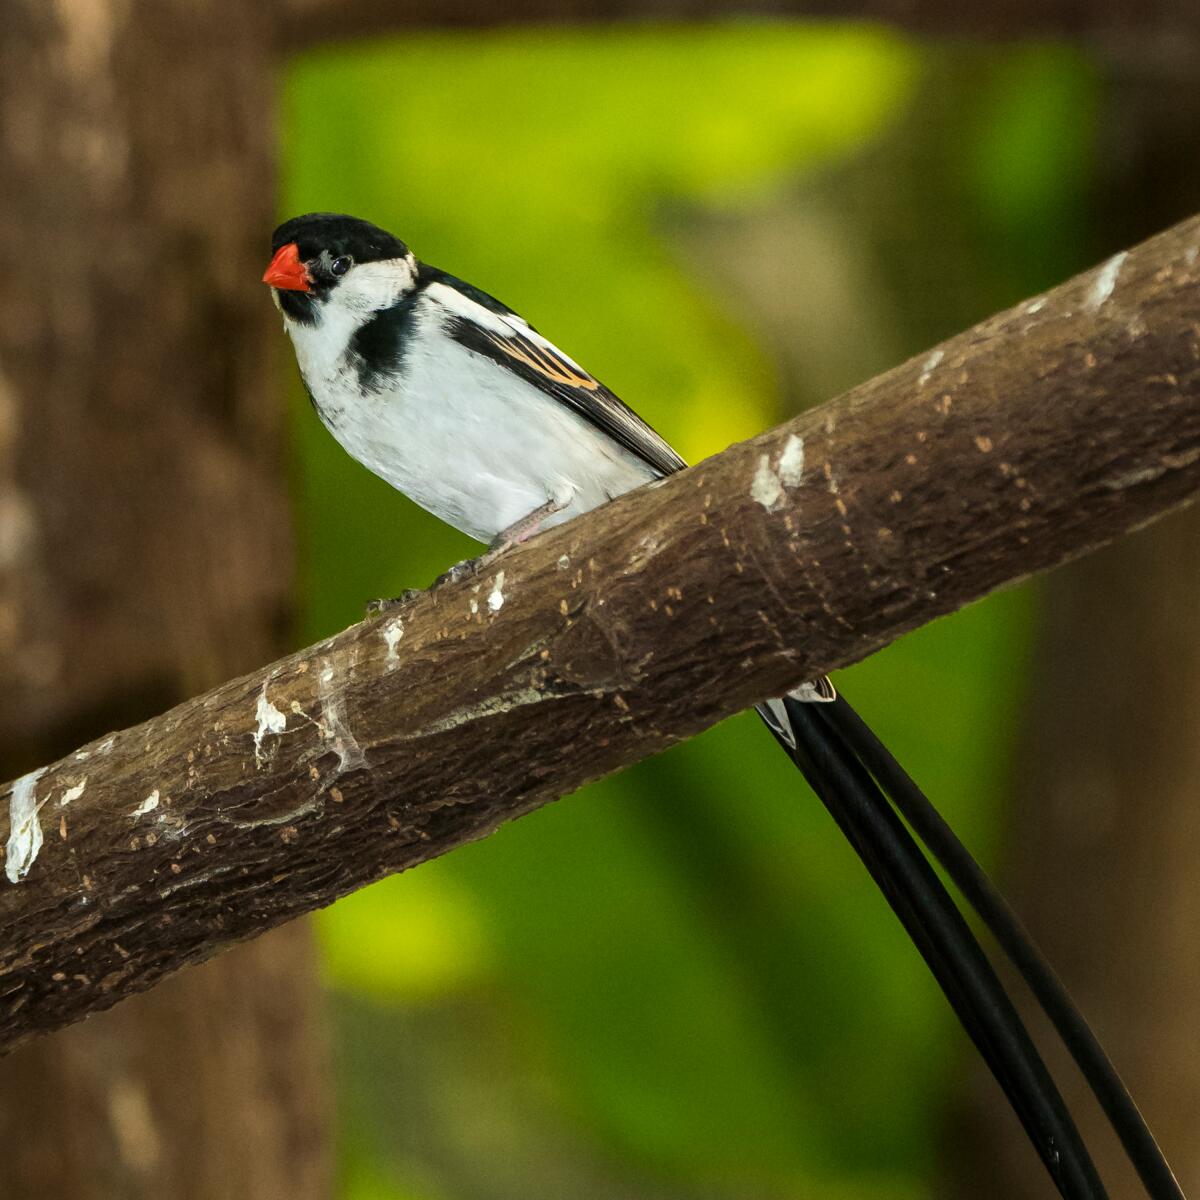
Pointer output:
x,y
305,23
1029,439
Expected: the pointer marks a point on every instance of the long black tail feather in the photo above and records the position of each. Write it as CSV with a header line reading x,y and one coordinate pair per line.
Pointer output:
x,y
1010,934
916,895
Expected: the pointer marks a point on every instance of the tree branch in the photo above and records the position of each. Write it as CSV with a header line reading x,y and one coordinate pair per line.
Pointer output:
x,y
1029,439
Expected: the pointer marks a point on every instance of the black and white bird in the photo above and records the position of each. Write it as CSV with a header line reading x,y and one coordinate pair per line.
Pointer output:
x,y
463,406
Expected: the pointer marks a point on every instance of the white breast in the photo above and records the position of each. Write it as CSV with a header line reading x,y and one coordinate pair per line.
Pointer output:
x,y
458,433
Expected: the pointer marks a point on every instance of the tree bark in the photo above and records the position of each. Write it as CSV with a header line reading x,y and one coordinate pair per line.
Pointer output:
x,y
1025,441
143,547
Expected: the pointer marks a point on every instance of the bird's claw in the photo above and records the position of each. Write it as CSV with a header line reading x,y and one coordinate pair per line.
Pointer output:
x,y
467,569
376,608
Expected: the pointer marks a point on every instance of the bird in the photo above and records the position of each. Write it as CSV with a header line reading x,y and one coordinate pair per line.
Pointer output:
x,y
461,404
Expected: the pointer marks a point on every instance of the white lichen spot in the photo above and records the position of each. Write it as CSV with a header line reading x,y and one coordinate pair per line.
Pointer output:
x,y
474,606
791,462
1119,483
25,830
765,487
564,561
393,631
1035,306
147,806
334,725
270,720
928,366
1106,280
491,707
72,793
496,596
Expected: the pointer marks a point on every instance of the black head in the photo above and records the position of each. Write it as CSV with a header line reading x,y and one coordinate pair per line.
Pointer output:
x,y
312,253
338,234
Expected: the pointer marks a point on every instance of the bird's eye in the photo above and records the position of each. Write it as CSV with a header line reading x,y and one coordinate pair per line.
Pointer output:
x,y
340,266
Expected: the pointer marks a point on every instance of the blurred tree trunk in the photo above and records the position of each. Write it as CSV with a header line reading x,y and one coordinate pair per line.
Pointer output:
x,y
1103,848
1105,830
144,552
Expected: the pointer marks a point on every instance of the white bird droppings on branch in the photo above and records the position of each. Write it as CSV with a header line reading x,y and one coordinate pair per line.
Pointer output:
x,y
333,718
270,720
147,806
1106,281
928,366
791,462
393,631
496,599
73,793
491,707
766,487
25,830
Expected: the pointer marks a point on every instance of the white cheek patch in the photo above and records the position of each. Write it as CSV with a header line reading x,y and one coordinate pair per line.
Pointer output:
x,y
368,287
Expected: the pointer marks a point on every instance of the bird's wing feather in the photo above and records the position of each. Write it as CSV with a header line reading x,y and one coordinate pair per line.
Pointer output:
x,y
501,335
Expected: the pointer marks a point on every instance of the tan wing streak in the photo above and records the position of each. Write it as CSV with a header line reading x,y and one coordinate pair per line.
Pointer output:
x,y
545,363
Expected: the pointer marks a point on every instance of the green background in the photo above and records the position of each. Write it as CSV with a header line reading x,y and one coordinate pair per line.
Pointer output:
x,y
678,982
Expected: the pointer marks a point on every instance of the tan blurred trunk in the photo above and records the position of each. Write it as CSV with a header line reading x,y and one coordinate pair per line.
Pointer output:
x,y
1103,846
144,550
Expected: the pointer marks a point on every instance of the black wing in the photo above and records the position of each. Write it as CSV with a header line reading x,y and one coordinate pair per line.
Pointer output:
x,y
516,346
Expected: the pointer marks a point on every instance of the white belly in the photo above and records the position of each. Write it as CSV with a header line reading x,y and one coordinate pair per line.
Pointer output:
x,y
472,443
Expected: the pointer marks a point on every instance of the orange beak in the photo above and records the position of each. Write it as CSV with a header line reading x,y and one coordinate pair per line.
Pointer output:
x,y
287,271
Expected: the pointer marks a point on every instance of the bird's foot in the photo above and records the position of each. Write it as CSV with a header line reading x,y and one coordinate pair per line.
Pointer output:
x,y
376,608
467,569
522,530
516,533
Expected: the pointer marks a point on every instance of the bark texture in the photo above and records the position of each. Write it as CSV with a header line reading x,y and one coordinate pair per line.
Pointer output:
x,y
1025,441
143,546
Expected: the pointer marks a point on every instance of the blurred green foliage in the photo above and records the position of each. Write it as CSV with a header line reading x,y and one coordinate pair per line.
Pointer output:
x,y
678,982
